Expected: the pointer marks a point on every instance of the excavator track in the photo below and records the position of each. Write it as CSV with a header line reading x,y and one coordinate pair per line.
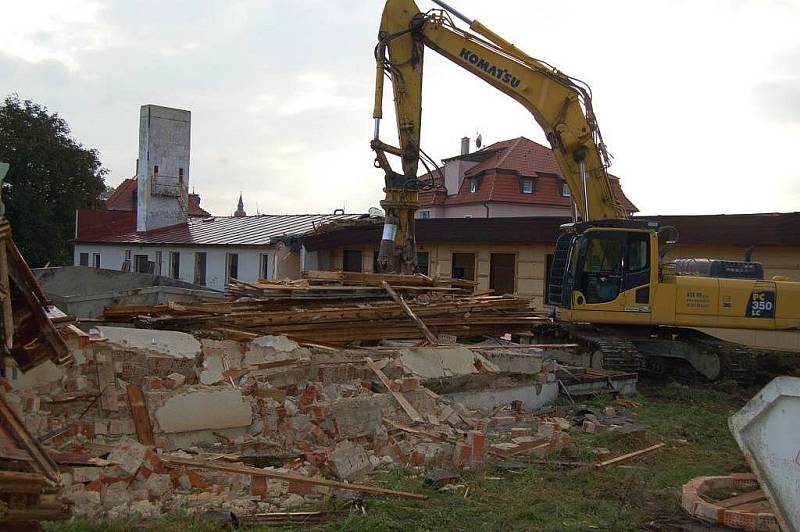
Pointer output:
x,y
613,348
737,362
607,351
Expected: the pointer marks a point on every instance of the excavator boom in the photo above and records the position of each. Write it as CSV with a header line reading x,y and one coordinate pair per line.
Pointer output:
x,y
561,105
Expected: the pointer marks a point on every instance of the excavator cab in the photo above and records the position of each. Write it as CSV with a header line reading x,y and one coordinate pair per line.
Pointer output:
x,y
607,265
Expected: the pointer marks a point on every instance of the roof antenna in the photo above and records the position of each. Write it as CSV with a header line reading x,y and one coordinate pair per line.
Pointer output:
x,y
478,139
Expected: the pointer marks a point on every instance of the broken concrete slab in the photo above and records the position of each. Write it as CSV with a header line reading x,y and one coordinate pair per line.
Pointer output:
x,y
199,408
350,461
168,343
516,361
533,396
142,353
128,455
436,363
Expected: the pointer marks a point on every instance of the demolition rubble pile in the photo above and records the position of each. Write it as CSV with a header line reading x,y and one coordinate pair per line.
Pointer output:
x,y
149,421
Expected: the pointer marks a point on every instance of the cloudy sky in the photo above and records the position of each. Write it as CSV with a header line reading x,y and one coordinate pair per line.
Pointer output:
x,y
698,100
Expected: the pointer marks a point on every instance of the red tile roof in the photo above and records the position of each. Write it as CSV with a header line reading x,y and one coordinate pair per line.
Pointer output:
x,y
119,227
124,196
124,199
500,171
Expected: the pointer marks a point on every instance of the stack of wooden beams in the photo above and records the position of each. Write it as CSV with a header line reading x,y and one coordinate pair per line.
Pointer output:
x,y
307,317
344,285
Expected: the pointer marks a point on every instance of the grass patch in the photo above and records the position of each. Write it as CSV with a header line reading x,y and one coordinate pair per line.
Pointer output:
x,y
690,419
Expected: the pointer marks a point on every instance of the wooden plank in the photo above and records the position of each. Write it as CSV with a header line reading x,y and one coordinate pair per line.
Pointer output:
x,y
106,382
141,418
255,471
744,498
420,324
629,456
410,410
15,428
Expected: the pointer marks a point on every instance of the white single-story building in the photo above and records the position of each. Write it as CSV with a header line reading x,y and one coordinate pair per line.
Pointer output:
x,y
205,251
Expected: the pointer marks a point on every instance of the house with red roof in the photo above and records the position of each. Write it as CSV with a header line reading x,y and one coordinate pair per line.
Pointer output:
x,y
510,178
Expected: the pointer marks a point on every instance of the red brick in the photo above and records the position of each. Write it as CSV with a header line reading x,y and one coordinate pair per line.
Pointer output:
x,y
301,488
258,486
196,479
461,454
477,440
499,421
409,384
309,396
516,432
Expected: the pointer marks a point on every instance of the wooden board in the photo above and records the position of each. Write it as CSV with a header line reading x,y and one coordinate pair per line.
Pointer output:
x,y
106,382
255,471
410,410
141,418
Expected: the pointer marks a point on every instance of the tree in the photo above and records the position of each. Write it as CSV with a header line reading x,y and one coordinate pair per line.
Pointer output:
x,y
51,175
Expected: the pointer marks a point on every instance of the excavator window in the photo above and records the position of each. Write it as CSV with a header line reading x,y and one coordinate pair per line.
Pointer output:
x,y
602,267
638,252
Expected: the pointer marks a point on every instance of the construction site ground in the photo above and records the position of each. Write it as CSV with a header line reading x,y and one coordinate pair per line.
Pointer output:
x,y
640,494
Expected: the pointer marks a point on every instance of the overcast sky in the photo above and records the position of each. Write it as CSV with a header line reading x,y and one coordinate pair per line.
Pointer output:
x,y
698,100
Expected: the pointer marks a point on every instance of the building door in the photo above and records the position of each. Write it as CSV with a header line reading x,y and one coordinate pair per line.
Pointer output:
x,y
232,269
200,268
140,263
351,260
502,273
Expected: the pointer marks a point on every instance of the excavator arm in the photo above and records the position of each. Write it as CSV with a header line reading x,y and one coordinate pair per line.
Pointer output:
x,y
561,106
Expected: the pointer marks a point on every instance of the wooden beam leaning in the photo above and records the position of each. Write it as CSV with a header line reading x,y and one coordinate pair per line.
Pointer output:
x,y
420,324
410,410
141,419
248,470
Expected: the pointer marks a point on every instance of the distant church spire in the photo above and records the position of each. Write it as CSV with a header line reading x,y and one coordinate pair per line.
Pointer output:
x,y
240,208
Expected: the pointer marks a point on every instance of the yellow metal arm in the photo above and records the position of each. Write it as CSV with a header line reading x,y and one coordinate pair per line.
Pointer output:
x,y
559,104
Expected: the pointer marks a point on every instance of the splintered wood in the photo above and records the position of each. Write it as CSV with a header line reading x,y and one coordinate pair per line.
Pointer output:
x,y
413,307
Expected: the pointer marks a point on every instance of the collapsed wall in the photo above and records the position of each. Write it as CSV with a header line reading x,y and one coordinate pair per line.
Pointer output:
x,y
136,401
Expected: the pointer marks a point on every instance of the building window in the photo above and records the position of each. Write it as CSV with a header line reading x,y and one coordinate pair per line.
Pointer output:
x,y
526,185
175,264
96,260
263,271
140,264
565,192
155,170
157,269
474,184
200,268
424,214
83,259
232,267
502,273
463,266
351,260
422,262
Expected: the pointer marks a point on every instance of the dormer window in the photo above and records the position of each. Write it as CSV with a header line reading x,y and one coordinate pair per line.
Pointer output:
x,y
526,185
474,183
565,189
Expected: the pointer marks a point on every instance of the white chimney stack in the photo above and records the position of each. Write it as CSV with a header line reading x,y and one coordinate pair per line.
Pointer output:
x,y
163,167
464,145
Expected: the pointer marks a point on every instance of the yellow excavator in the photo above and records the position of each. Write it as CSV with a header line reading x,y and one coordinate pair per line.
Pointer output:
x,y
610,286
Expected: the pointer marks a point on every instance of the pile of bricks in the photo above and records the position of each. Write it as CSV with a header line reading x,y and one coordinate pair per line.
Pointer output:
x,y
136,402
